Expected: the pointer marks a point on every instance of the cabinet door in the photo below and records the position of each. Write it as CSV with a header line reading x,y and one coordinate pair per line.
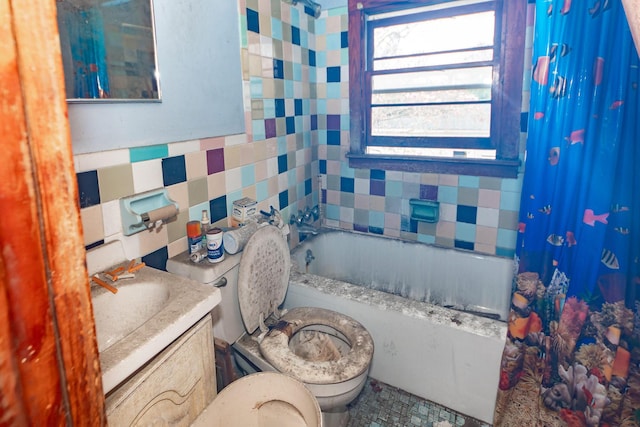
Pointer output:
x,y
173,388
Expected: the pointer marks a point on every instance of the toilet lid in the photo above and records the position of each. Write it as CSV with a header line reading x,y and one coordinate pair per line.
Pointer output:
x,y
265,399
275,347
263,276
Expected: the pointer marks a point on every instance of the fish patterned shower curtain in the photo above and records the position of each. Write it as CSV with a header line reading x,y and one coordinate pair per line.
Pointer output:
x,y
573,346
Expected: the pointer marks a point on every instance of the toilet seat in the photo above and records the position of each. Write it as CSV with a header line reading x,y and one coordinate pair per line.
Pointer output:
x,y
263,279
275,347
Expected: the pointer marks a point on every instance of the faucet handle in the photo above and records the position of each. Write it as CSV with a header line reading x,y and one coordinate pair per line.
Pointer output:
x,y
292,219
315,212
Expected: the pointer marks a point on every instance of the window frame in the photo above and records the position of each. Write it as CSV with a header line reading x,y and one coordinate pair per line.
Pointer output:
x,y
506,96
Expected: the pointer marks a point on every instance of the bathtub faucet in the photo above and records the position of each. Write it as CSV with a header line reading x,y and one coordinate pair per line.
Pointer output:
x,y
304,220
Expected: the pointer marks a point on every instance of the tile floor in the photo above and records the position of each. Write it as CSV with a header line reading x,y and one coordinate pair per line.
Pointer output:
x,y
381,405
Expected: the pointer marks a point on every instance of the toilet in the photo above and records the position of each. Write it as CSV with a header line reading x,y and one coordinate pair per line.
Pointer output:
x,y
328,352
264,399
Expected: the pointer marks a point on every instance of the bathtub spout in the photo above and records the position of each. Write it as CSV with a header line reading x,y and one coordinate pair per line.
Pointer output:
x,y
306,229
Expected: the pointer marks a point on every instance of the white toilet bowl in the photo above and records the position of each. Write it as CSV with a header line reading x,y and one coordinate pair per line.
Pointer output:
x,y
252,300
265,399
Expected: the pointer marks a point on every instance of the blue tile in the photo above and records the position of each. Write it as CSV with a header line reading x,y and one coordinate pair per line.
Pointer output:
x,y
333,74
282,163
295,35
323,166
376,219
94,245
466,214
297,72
279,104
88,189
461,244
334,90
276,28
466,232
253,21
333,137
393,189
278,69
346,184
344,39
307,187
506,238
262,190
297,106
290,125
509,201
269,108
333,212
426,238
283,198
157,259
334,41
174,170
376,230
469,181
140,154
377,174
448,194
312,58
255,87
248,175
218,208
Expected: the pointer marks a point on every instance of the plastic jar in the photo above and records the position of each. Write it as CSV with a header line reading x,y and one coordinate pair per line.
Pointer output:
x,y
215,248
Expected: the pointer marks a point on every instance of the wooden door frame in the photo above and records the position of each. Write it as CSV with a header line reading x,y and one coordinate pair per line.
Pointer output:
x,y
49,366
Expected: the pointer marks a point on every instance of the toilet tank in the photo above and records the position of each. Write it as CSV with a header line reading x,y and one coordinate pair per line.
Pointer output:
x,y
227,320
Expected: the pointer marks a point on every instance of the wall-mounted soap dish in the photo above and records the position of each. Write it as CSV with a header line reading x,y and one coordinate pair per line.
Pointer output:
x,y
425,210
146,210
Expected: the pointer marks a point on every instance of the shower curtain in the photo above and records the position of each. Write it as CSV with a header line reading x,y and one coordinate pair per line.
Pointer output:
x,y
86,50
573,346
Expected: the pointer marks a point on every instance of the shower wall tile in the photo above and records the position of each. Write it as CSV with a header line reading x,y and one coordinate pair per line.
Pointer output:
x,y
147,175
296,107
115,182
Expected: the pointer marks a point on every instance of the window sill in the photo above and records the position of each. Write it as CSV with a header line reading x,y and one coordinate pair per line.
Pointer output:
x,y
454,166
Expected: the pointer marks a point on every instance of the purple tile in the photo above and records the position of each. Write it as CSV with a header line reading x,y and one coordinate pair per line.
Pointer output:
x,y
215,161
324,196
361,228
428,192
333,121
270,128
376,187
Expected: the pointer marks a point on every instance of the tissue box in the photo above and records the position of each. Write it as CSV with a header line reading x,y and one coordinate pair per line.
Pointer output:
x,y
244,209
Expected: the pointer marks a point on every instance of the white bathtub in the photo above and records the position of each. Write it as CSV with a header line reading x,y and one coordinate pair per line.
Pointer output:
x,y
448,356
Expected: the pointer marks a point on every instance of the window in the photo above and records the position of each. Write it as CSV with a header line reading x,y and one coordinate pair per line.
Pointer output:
x,y
436,86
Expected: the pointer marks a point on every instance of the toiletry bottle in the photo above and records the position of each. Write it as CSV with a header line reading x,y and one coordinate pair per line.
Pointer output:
x,y
194,236
205,225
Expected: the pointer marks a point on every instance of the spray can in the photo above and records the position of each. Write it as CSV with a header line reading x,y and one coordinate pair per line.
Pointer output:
x,y
215,248
194,236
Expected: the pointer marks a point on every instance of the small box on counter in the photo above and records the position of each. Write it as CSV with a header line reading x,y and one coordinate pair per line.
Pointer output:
x,y
244,209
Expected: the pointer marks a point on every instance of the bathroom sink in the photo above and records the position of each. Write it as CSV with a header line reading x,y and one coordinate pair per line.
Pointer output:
x,y
117,315
145,316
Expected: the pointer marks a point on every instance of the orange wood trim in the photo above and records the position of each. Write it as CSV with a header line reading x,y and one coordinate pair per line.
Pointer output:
x,y
42,263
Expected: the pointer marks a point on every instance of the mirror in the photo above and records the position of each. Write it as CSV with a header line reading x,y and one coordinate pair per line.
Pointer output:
x,y
108,50
198,47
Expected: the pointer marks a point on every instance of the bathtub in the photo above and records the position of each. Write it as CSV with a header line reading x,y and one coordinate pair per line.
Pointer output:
x,y
399,291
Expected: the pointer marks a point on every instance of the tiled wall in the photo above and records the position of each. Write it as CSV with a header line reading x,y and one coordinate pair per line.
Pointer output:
x,y
476,213
295,74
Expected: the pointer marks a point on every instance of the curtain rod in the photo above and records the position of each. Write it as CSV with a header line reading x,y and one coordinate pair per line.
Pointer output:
x,y
317,8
